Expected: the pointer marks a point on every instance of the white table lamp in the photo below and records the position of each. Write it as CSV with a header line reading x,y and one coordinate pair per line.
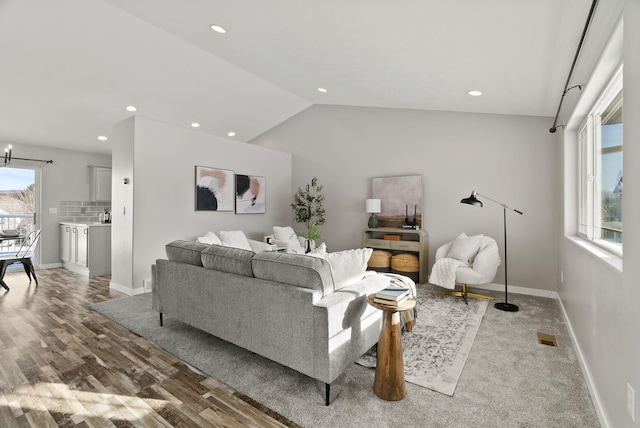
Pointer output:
x,y
373,207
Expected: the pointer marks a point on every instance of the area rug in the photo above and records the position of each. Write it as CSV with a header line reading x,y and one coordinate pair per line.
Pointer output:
x,y
437,347
300,398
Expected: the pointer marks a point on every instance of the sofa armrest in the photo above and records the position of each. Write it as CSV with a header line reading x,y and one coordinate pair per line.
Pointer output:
x,y
258,246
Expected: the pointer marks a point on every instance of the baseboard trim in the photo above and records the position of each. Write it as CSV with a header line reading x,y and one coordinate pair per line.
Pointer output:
x,y
518,290
126,290
50,266
595,397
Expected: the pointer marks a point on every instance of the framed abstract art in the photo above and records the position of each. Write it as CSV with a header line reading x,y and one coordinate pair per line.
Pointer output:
x,y
401,200
214,189
250,194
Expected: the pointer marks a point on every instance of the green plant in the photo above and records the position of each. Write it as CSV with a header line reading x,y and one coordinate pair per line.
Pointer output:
x,y
314,233
307,208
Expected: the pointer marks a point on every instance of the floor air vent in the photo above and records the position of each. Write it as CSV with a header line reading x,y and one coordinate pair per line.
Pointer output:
x,y
547,339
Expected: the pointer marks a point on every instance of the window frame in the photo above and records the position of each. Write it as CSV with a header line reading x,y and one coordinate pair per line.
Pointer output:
x,y
589,168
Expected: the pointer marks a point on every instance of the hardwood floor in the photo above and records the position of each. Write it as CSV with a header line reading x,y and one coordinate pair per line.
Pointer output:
x,y
64,365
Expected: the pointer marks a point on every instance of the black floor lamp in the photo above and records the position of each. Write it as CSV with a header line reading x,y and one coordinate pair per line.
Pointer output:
x,y
472,200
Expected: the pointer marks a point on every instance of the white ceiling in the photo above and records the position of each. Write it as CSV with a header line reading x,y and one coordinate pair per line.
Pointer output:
x,y
68,68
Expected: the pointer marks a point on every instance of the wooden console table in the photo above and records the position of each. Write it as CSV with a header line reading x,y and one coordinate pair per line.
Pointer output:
x,y
389,382
411,241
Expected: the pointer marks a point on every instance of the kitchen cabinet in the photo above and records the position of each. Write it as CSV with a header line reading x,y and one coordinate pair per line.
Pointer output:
x,y
100,183
73,244
86,248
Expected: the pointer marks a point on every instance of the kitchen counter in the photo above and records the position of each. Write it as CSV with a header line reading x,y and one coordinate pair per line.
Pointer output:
x,y
87,224
85,248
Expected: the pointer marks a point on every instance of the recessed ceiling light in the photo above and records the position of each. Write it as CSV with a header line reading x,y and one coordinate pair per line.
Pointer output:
x,y
218,29
231,134
474,93
323,90
195,125
102,138
131,108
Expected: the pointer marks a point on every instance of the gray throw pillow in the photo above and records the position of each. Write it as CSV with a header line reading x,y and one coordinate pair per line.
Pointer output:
x,y
228,259
185,252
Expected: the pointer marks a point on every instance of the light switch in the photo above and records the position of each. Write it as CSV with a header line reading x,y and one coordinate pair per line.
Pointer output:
x,y
53,211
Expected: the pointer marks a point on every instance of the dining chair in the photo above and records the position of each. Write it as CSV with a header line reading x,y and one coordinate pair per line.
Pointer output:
x,y
24,255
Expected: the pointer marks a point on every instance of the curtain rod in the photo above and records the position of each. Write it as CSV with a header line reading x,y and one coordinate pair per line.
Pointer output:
x,y
575,59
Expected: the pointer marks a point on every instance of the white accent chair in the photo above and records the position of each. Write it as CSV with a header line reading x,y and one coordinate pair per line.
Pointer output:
x,y
482,270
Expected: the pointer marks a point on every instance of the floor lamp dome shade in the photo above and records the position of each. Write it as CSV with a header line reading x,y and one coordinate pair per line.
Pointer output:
x,y
373,207
472,200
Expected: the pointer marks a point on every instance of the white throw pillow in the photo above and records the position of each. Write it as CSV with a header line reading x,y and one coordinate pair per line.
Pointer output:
x,y
320,251
286,234
209,238
235,238
349,266
465,248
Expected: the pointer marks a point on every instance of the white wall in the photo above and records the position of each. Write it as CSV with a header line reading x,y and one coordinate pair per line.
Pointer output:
x,y
630,295
66,179
122,205
509,158
599,297
160,161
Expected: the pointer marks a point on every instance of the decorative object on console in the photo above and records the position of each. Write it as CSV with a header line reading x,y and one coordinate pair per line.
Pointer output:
x,y
214,189
250,194
398,195
307,208
8,157
472,200
413,224
372,206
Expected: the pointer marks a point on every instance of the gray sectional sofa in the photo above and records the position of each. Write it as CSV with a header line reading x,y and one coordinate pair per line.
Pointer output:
x,y
284,307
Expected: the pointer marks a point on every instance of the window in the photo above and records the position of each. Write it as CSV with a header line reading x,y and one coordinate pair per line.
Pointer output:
x,y
600,193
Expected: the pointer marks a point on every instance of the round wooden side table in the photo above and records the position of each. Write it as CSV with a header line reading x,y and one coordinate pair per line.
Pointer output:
x,y
389,382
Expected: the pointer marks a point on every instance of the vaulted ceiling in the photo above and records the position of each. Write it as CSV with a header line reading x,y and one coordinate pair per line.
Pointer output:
x,y
70,67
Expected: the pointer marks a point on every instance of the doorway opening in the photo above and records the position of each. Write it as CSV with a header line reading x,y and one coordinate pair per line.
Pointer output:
x,y
19,204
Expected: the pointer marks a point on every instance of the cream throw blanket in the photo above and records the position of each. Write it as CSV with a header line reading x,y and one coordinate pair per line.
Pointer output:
x,y
444,272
